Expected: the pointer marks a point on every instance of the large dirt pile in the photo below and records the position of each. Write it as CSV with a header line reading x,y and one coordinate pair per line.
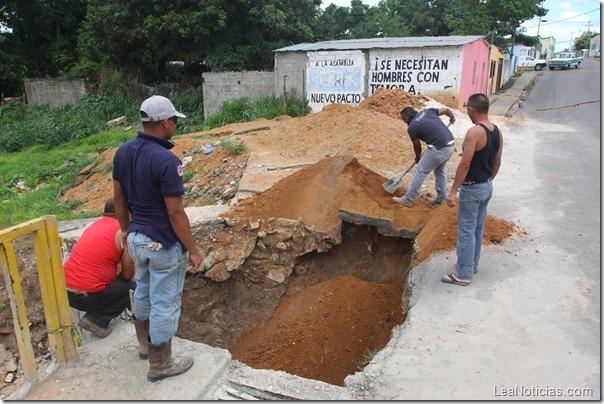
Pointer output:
x,y
391,102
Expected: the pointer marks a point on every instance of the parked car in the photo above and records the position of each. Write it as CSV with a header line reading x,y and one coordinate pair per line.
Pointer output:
x,y
597,54
565,60
530,62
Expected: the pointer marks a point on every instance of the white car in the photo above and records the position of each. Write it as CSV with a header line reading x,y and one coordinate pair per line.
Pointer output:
x,y
531,62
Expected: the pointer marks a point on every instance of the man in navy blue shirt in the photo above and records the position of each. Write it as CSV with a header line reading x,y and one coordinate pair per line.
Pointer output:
x,y
148,190
426,126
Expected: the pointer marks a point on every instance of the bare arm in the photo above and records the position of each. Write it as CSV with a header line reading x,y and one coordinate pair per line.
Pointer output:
x,y
448,112
121,210
126,262
469,148
417,148
497,160
182,228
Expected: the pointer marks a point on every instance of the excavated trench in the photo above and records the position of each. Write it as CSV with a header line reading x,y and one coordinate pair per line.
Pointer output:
x,y
327,317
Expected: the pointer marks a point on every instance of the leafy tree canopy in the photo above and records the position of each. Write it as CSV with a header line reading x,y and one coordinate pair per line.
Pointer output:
x,y
583,41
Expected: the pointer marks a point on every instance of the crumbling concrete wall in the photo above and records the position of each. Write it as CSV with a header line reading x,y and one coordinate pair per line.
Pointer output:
x,y
220,87
54,92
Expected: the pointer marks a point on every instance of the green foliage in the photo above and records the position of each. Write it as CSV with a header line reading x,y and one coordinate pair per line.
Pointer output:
x,y
583,41
28,125
245,110
42,41
478,17
233,147
188,176
43,173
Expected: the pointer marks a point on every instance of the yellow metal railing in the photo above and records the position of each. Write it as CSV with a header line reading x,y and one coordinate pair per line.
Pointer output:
x,y
59,325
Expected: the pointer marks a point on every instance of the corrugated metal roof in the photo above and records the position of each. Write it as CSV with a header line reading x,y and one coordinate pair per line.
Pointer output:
x,y
407,42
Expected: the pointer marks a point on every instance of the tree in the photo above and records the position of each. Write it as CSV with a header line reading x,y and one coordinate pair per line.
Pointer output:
x,y
41,36
143,36
583,41
479,17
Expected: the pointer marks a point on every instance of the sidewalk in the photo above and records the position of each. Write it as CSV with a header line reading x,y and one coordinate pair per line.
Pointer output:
x,y
506,102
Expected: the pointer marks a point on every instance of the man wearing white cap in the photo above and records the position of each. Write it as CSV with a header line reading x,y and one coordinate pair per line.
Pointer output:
x,y
148,190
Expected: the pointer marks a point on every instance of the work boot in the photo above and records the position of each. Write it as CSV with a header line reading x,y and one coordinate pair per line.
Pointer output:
x,y
434,203
142,333
402,201
94,328
161,363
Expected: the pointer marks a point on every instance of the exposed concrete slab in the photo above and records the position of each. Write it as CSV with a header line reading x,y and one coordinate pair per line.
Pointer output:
x,y
109,369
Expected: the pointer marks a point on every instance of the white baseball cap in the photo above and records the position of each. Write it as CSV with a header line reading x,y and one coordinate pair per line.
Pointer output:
x,y
158,109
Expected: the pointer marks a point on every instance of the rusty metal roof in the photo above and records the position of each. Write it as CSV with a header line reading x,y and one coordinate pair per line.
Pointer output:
x,y
370,43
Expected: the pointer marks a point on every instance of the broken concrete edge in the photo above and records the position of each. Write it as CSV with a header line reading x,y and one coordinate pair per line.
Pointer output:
x,y
244,382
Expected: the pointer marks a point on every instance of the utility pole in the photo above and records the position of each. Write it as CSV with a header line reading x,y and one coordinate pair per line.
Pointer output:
x,y
538,39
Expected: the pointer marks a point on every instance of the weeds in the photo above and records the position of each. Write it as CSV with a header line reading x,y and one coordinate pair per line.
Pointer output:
x,y
43,149
245,110
233,147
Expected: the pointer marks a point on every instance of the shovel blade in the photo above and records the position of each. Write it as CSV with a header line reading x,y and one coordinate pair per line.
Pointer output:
x,y
393,183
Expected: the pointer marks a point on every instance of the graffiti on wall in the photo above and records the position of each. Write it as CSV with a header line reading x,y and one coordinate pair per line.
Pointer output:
x,y
414,74
335,77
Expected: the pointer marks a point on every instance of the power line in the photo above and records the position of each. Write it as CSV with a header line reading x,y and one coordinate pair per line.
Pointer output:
x,y
569,18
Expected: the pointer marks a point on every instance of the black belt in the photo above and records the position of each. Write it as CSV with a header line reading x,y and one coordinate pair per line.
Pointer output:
x,y
475,182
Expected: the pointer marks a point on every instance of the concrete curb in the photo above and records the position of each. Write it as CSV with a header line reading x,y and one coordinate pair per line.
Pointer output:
x,y
522,96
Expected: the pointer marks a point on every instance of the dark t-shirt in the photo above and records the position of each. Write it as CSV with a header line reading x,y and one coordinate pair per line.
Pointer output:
x,y
148,172
426,125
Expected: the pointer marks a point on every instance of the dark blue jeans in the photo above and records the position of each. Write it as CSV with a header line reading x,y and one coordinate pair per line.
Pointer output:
x,y
102,307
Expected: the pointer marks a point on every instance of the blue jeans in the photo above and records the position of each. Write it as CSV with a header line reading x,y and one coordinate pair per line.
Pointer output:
x,y
471,214
432,160
160,278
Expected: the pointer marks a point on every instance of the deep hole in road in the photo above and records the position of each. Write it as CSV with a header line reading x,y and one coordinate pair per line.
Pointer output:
x,y
335,312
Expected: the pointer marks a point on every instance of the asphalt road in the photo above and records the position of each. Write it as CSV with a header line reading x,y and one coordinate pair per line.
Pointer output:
x,y
570,154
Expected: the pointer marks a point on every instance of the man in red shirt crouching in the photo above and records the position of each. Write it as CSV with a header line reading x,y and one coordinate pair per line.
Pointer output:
x,y
99,274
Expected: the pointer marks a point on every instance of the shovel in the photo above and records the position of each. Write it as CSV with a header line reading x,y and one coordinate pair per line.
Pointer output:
x,y
395,182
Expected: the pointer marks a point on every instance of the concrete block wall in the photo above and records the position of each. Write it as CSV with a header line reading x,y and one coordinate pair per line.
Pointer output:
x,y
293,65
220,87
54,92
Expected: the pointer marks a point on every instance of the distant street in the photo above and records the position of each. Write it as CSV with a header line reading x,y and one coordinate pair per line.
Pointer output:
x,y
569,158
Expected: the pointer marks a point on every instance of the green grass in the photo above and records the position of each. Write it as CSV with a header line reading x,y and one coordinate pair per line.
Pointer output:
x,y
245,110
233,147
509,84
45,172
45,148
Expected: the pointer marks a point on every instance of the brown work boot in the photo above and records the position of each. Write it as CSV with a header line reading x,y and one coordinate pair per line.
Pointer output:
x,y
161,363
93,328
142,333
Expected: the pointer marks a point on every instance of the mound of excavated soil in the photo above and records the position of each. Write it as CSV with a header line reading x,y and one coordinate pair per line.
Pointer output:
x,y
391,102
209,178
317,193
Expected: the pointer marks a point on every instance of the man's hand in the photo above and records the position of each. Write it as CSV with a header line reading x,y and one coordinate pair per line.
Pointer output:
x,y
194,261
417,159
451,199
